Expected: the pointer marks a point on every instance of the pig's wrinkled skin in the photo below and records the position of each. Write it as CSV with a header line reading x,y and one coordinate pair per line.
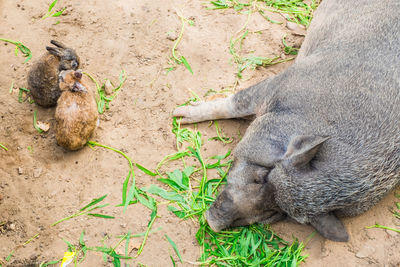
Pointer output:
x,y
326,139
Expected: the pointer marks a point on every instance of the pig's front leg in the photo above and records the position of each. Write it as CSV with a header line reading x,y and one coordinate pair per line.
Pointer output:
x,y
221,108
242,104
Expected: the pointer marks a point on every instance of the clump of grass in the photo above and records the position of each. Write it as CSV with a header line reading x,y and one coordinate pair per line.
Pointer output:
x,y
51,13
289,50
131,196
220,135
175,59
255,245
242,62
79,252
109,251
19,47
102,100
134,195
297,11
190,197
254,62
21,93
225,92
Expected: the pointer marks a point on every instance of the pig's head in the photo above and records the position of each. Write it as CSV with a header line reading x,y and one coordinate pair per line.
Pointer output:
x,y
249,195
244,202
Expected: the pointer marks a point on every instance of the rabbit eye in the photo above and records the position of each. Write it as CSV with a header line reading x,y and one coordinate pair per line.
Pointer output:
x,y
78,74
74,64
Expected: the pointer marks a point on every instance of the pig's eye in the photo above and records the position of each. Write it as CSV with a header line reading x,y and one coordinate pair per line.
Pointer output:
x,y
259,180
261,175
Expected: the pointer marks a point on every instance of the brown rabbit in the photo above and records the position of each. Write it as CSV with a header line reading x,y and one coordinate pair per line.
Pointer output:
x,y
76,113
43,76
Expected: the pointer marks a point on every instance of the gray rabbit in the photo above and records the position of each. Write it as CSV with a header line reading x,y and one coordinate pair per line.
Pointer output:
x,y
43,76
326,139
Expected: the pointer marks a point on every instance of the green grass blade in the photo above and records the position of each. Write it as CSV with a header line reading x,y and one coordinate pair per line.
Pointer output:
x,y
132,192
9,256
94,202
35,123
11,87
383,227
52,5
125,188
153,217
128,238
155,190
146,171
20,47
184,61
20,92
172,259
81,241
59,13
179,213
45,264
174,247
101,216
3,147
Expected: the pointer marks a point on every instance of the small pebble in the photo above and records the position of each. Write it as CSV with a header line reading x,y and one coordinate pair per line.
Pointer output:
x,y
37,172
365,252
20,171
108,88
291,25
172,36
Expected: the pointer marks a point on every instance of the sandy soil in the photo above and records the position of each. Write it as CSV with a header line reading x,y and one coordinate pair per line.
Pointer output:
x,y
40,183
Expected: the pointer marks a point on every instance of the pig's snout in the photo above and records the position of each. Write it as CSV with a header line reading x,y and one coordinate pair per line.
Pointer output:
x,y
214,223
222,212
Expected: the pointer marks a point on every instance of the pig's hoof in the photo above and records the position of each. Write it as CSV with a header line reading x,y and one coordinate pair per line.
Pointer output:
x,y
189,114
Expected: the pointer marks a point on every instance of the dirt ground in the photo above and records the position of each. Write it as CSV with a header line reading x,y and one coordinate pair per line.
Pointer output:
x,y
40,183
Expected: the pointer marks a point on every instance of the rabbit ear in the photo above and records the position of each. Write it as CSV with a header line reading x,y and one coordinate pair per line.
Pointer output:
x,y
58,44
55,51
61,76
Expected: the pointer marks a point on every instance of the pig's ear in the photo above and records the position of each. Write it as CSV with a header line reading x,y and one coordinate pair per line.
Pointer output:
x,y
330,227
302,149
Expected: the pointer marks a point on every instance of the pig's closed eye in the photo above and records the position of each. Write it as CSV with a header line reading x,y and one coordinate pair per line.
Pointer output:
x,y
261,176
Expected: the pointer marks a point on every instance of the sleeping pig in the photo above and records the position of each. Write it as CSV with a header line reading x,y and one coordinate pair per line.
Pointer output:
x,y
325,142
